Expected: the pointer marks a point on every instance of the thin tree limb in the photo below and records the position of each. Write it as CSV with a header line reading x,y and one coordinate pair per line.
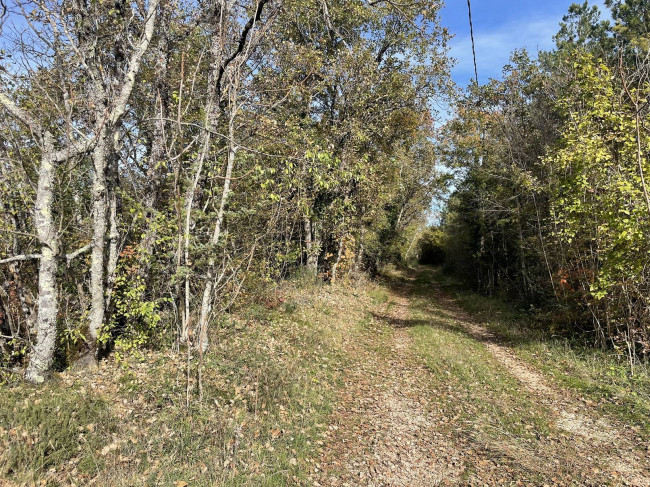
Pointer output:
x,y
19,258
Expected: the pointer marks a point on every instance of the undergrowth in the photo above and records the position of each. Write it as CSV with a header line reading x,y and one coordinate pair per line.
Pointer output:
x,y
267,383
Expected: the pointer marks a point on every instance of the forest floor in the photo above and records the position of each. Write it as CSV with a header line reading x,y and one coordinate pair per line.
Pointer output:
x,y
407,381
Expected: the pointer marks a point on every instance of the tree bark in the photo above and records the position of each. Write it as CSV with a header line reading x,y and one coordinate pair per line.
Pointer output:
x,y
107,118
48,303
99,235
206,302
312,257
358,262
156,168
189,201
339,254
113,231
209,122
312,260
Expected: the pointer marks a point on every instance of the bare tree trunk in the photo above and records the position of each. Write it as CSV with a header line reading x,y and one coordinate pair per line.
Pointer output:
x,y
108,112
189,201
221,74
312,257
48,303
543,248
358,262
209,121
206,302
312,260
113,232
413,240
98,242
156,168
339,254
107,118
179,209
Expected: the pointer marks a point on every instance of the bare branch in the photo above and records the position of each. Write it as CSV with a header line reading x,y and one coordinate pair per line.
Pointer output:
x,y
20,114
72,255
74,149
242,40
119,107
19,258
334,32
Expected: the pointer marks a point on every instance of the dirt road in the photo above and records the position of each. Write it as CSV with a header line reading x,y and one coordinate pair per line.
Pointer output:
x,y
432,397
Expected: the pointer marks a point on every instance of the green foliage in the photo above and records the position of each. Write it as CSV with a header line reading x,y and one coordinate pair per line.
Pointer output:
x,y
432,247
321,116
631,23
599,207
267,393
493,219
135,321
583,28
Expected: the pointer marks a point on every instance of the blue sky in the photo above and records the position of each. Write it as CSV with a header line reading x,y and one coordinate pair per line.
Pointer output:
x,y
500,26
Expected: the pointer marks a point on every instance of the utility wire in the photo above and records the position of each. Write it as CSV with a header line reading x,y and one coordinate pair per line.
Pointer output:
x,y
471,33
478,104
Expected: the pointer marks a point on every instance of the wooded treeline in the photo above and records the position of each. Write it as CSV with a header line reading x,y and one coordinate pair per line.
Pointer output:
x,y
161,160
553,204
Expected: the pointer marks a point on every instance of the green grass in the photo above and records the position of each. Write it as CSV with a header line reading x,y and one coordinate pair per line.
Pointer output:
x,y
379,296
477,402
269,382
43,429
602,377
474,399
484,389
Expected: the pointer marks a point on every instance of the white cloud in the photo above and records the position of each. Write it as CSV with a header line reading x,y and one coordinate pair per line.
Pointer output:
x,y
495,44
493,48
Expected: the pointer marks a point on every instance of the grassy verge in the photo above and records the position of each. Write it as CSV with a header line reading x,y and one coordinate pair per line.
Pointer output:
x,y
601,377
268,384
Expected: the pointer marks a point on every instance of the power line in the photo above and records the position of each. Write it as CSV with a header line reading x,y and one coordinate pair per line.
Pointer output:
x,y
471,33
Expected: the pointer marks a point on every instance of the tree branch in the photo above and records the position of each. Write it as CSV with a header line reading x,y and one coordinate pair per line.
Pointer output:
x,y
20,114
18,258
72,255
242,41
119,107
333,31
68,257
71,150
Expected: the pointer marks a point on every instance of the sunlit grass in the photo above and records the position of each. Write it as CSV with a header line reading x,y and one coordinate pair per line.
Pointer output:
x,y
602,376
